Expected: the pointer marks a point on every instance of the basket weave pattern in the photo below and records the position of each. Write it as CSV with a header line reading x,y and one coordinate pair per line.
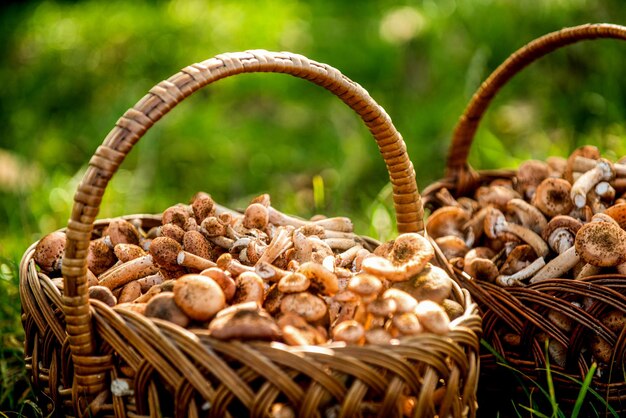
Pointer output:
x,y
523,311
77,348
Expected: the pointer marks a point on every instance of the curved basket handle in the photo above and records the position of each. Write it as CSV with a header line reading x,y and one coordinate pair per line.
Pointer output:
x,y
160,100
457,167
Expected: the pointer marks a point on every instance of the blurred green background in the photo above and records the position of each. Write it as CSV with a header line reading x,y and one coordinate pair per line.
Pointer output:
x,y
69,69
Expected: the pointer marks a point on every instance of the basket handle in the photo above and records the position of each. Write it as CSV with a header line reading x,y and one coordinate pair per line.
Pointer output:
x,y
458,169
160,100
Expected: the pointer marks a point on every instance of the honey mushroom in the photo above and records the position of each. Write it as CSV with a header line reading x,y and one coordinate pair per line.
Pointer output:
x,y
169,254
496,225
49,252
478,264
602,171
552,197
199,296
120,231
530,174
244,323
163,306
100,256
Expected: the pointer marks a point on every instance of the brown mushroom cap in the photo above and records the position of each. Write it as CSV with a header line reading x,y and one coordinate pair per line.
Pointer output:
x,y
173,231
273,299
305,304
404,301
199,296
447,220
552,197
378,336
432,283
452,246
409,254
245,324
250,287
322,280
202,206
227,284
256,216
520,257
529,174
163,306
100,257
601,244
102,294
453,309
122,231
126,252
587,151
195,243
618,212
176,214
498,196
560,232
407,323
350,332
433,317
382,307
365,285
294,283
164,251
49,251
130,292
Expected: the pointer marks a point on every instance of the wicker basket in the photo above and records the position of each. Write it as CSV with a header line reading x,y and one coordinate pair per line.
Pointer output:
x,y
523,311
76,347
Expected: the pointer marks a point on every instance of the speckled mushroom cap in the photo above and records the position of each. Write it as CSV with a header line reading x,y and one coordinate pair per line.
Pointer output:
x,y
100,256
256,216
618,212
601,244
122,231
164,251
202,206
408,255
49,251
432,283
562,221
552,197
322,280
199,296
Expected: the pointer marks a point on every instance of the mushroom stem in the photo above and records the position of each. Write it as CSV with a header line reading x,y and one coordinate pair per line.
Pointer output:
x,y
334,224
529,216
227,263
583,164
558,266
603,171
340,244
516,278
347,257
187,259
280,243
127,272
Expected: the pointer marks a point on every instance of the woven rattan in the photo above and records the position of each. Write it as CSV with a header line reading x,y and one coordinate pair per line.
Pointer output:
x,y
76,347
523,311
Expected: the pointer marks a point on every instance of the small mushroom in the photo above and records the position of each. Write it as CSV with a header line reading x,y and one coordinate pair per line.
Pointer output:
x,y
305,304
172,231
447,221
601,244
163,306
453,309
558,266
529,174
126,252
127,272
176,214
102,294
130,292
202,206
250,288
516,278
407,323
603,171
552,197
226,283
528,216
199,296
281,241
256,216
49,252
497,196
294,282
322,280
169,254
496,224
561,232
121,231
244,324
432,317
432,283
195,243
409,254
350,332
452,246
100,257
586,151
477,263
404,301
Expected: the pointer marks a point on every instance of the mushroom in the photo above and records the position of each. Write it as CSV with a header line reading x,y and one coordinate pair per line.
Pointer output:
x,y
305,304
603,171
281,241
322,280
226,283
152,280
126,252
163,306
199,296
406,323
297,331
172,231
453,309
432,283
244,324
452,246
121,231
477,263
404,301
447,221
496,224
127,272
347,257
601,244
169,254
129,292
557,166
409,254
519,258
497,196
249,287
256,216
528,216
552,197
586,151
334,224
516,278
176,214
558,266
227,263
202,206
529,174
102,294
432,317
618,212
49,252
100,257
294,282
561,232
350,332
195,243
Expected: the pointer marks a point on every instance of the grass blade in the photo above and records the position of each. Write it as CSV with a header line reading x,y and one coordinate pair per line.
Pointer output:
x,y
583,390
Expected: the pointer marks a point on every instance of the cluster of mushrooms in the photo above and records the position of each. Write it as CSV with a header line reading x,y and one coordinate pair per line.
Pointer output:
x,y
262,274
562,218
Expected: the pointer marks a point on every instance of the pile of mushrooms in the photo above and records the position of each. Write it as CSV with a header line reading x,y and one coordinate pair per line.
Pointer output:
x,y
263,275
562,218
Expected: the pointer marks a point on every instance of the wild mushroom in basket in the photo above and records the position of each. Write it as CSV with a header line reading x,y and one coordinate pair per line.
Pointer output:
x,y
261,274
